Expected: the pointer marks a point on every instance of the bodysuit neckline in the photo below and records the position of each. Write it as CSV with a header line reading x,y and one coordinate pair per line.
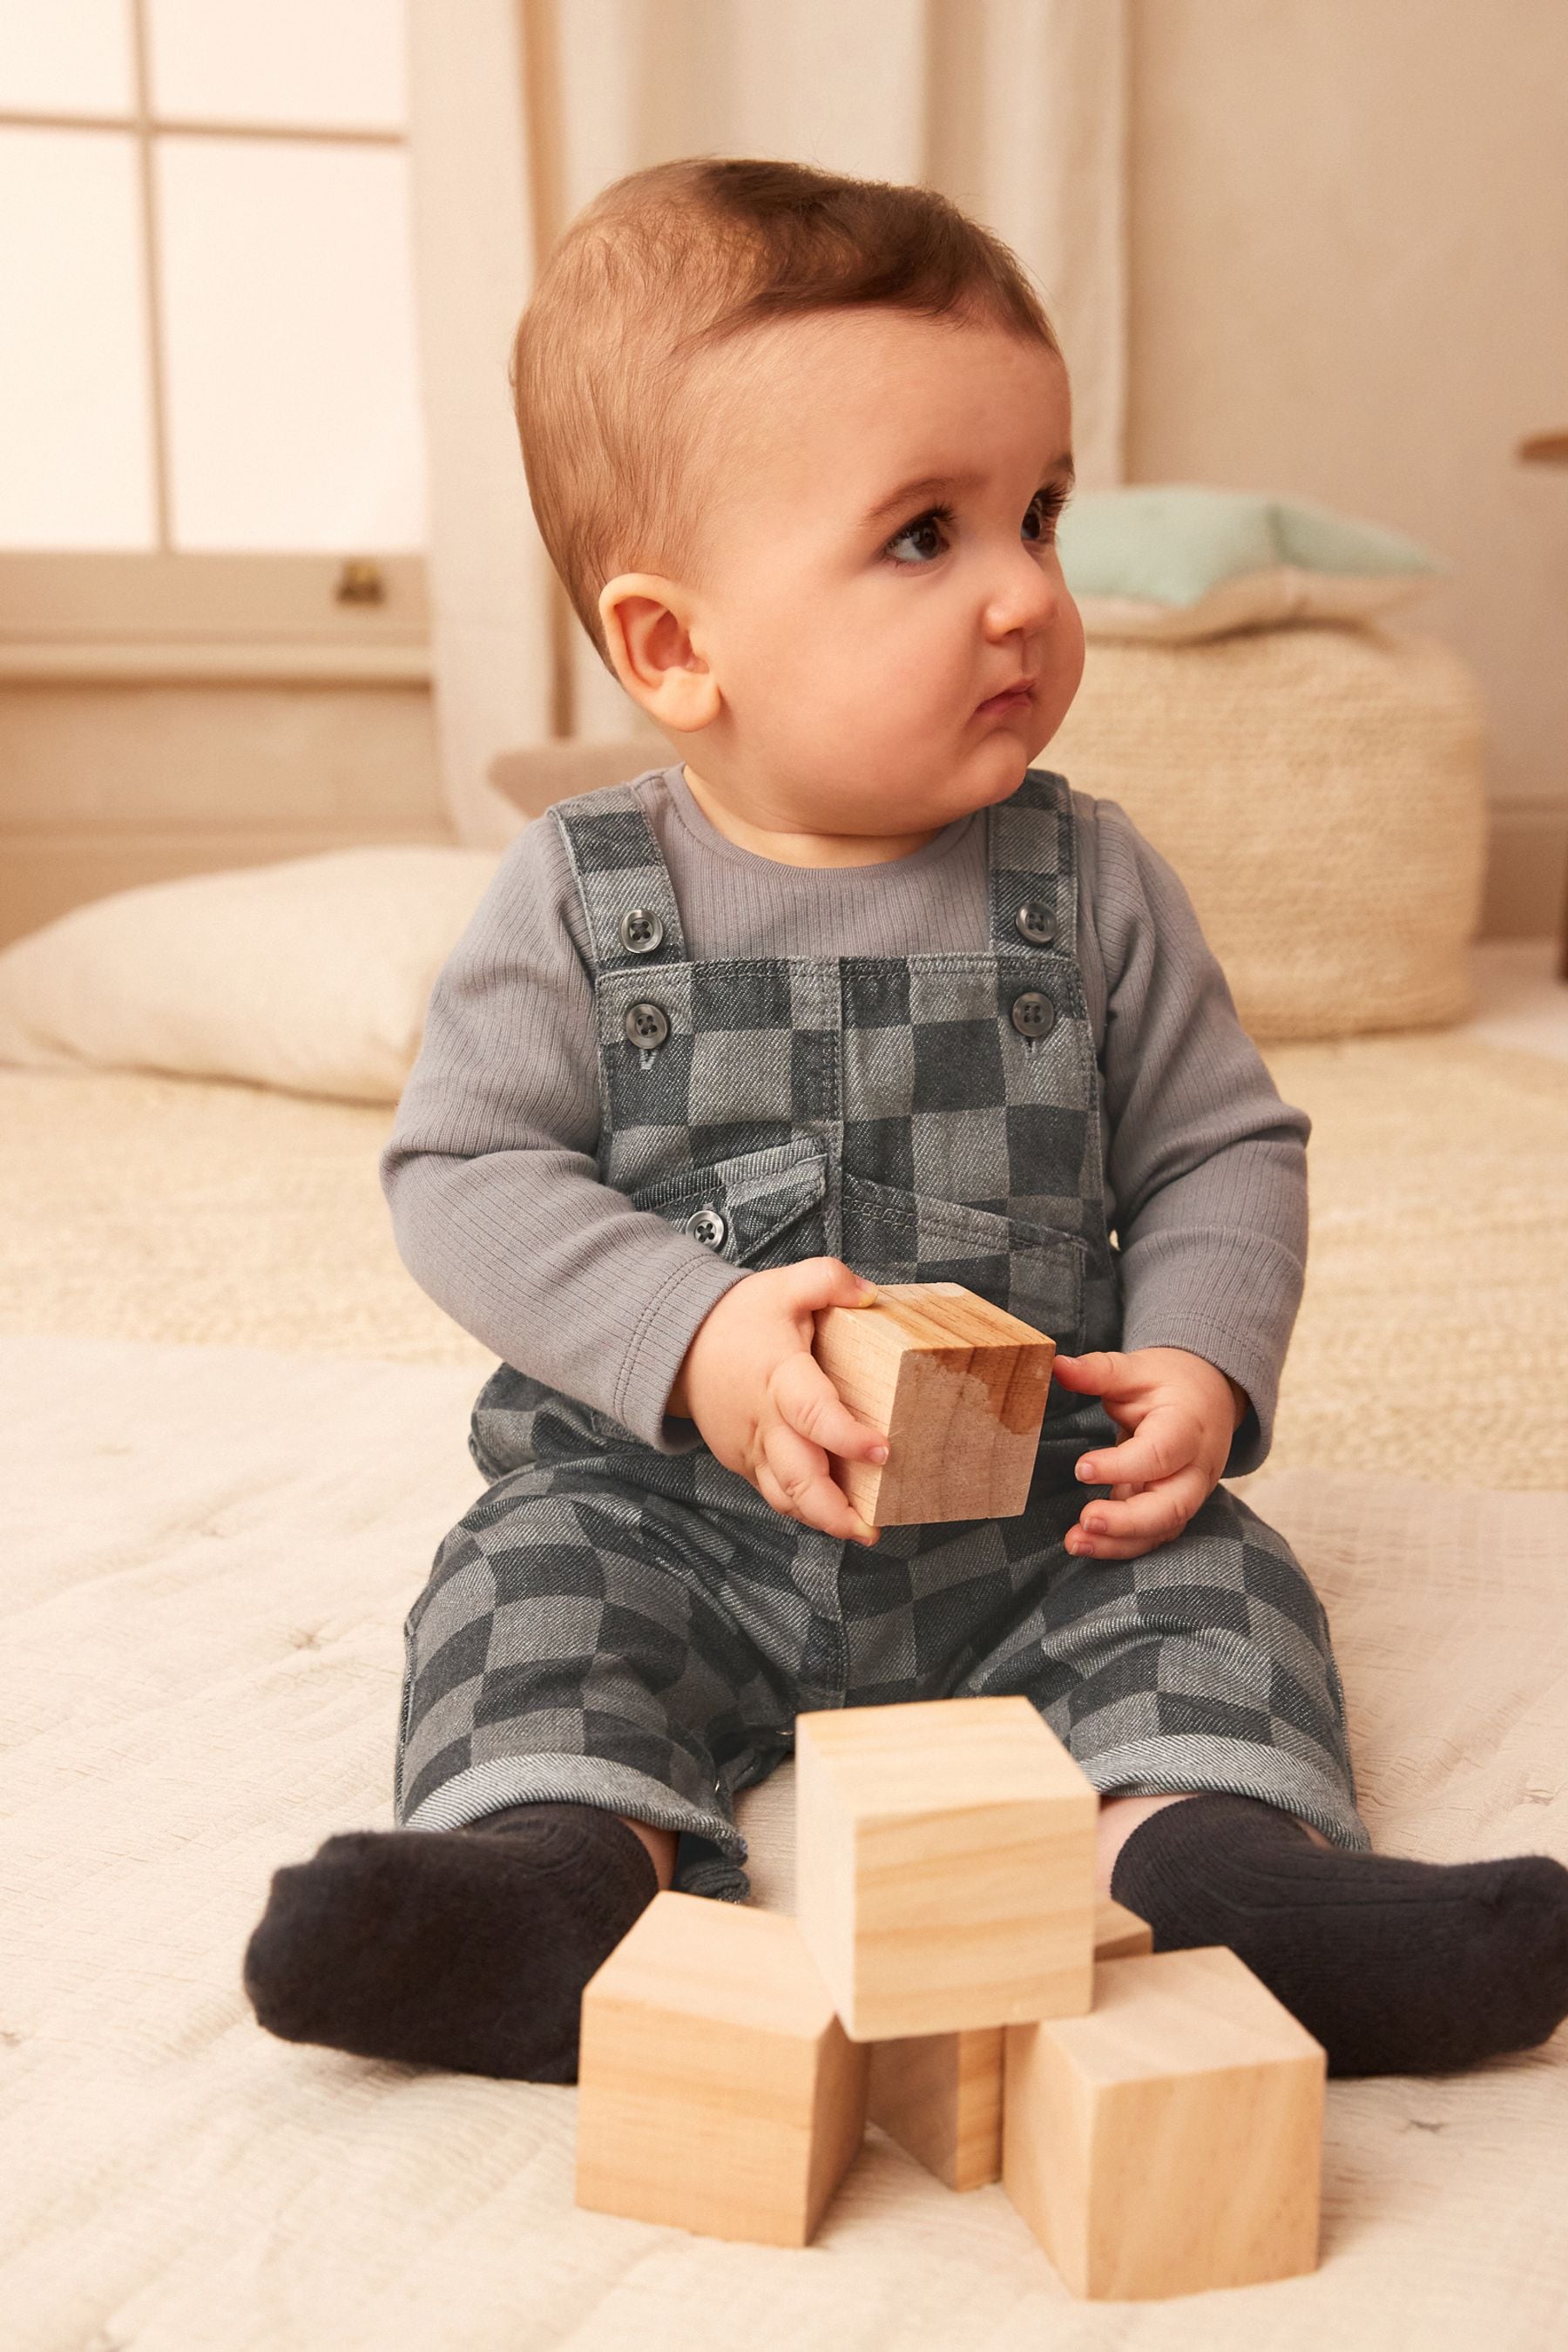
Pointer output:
x,y
714,844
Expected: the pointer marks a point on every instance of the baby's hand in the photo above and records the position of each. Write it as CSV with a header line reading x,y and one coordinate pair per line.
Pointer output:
x,y
764,1405
1182,1413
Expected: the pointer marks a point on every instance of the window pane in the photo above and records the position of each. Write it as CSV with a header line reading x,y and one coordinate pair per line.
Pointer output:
x,y
301,62
75,414
65,57
288,351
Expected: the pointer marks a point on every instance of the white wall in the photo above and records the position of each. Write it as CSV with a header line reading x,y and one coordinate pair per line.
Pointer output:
x,y
1350,281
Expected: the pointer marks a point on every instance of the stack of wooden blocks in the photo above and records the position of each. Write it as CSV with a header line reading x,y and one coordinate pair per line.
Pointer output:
x,y
1155,2117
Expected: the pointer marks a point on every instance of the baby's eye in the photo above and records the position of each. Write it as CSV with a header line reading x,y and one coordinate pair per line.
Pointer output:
x,y
1045,506
935,519
1044,511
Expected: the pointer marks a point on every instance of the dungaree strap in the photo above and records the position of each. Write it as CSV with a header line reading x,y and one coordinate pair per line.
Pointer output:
x,y
1032,868
628,899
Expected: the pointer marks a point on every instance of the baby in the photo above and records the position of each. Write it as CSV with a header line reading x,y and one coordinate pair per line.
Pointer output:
x,y
851,992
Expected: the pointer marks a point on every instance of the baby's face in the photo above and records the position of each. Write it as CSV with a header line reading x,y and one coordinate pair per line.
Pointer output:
x,y
851,630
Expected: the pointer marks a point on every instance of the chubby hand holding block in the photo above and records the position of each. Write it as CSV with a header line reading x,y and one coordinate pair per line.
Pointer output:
x,y
719,2092
944,1865
960,1388
1170,2141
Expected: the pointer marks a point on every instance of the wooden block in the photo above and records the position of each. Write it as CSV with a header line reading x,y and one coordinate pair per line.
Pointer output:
x,y
718,2091
1170,2141
1119,1934
960,1388
945,1865
940,2095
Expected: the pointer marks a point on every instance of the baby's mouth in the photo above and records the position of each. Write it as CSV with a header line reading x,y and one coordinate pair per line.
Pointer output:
x,y
1012,697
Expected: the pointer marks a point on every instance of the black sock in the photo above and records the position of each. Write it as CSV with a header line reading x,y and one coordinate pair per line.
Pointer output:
x,y
465,1949
1398,1967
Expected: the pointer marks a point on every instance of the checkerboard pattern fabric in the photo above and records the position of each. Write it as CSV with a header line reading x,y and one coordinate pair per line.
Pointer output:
x,y
622,1627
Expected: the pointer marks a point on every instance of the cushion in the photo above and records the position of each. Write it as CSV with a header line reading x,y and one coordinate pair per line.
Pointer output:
x,y
312,974
1173,562
1321,793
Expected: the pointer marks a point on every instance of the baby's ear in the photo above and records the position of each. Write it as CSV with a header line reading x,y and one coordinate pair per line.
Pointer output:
x,y
647,621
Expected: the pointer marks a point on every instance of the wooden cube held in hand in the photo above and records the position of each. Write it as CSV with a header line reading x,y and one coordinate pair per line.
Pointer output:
x,y
718,2091
940,2095
1171,2141
958,1385
944,1865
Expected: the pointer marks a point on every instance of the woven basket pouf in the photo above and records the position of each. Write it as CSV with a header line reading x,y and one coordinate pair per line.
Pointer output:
x,y
1320,791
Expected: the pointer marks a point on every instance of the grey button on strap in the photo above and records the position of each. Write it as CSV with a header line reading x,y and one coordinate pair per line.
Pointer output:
x,y
1033,1015
646,1025
641,931
709,1227
1035,923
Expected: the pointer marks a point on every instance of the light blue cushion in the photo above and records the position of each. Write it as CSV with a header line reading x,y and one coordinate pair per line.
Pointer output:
x,y
1170,543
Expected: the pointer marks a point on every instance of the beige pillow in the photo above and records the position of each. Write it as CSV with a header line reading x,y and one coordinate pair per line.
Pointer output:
x,y
312,975
1277,597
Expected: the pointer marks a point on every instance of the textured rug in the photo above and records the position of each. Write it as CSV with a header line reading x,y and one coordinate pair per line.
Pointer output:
x,y
182,1210
1432,1341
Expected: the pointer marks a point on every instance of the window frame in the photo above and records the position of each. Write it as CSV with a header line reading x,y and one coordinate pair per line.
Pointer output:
x,y
121,615
165,612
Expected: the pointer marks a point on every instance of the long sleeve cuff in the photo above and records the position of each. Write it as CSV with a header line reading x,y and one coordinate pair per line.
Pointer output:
x,y
499,1242
1228,1297
657,1346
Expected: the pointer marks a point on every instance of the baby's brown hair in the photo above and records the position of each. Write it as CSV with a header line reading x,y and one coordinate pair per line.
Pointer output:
x,y
665,265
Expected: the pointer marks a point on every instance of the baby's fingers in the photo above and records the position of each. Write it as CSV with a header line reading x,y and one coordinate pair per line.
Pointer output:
x,y
813,1406
1102,1370
1162,1446
793,1477
1121,1531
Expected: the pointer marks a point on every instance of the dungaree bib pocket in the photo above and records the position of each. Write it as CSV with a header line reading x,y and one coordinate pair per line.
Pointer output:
x,y
1033,1271
758,1209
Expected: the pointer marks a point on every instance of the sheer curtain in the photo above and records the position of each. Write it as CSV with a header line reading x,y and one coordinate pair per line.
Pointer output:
x,y
521,110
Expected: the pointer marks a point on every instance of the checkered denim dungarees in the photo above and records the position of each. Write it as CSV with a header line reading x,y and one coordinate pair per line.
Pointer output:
x,y
620,1627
